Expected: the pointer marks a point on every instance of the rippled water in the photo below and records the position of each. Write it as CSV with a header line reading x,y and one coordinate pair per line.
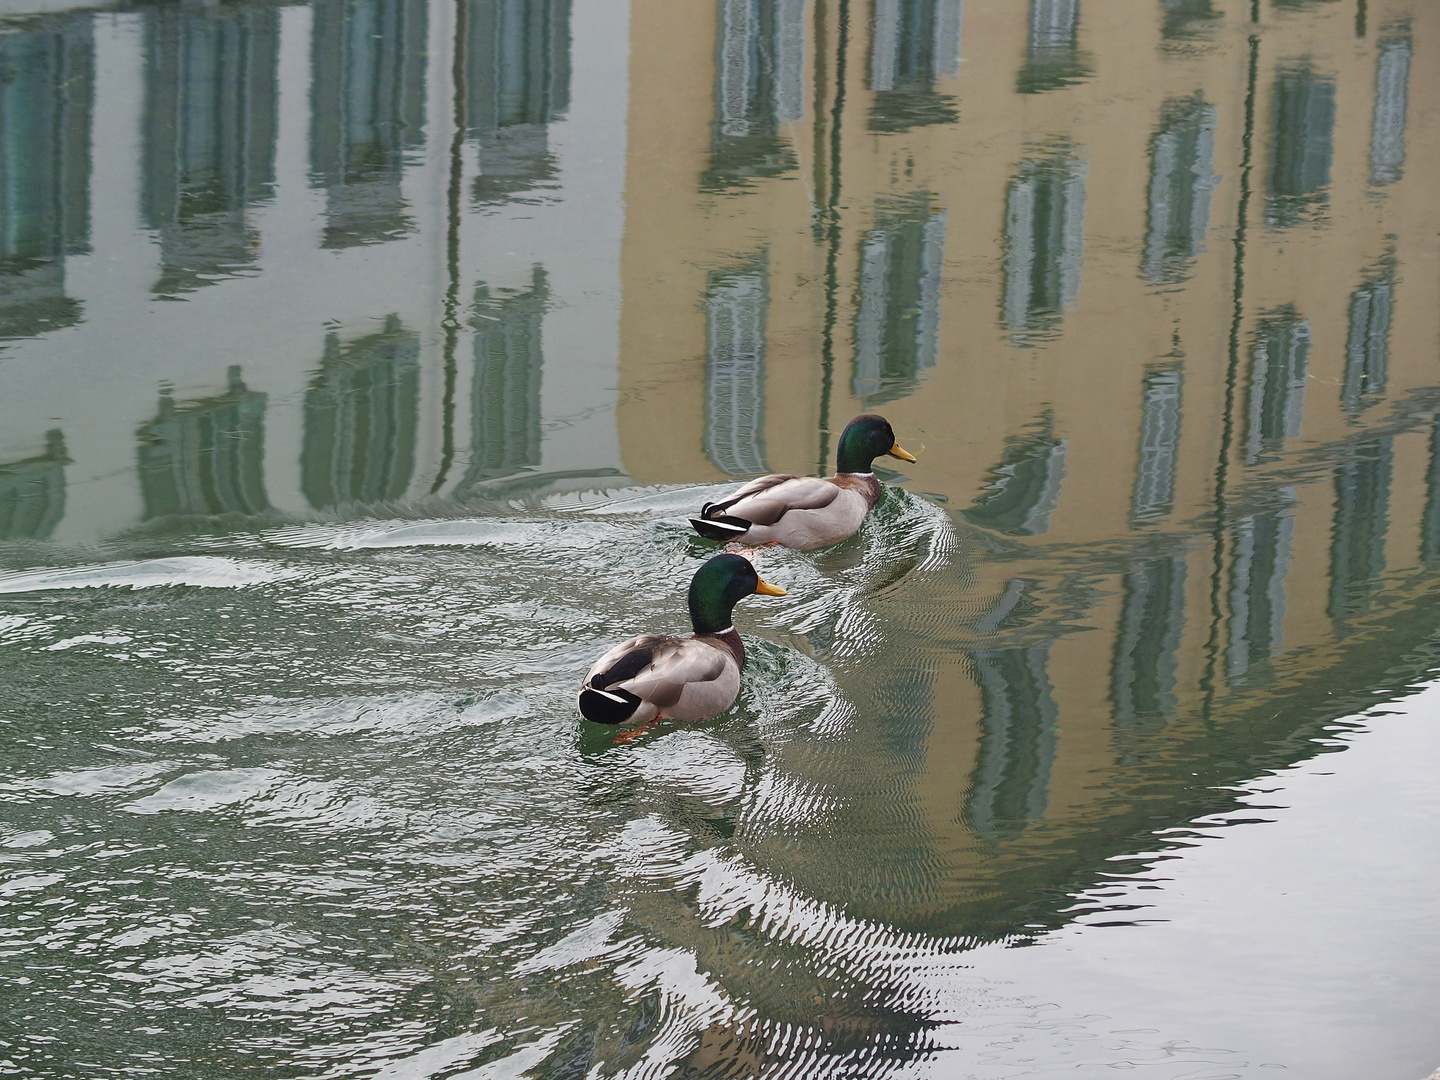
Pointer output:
x,y
362,360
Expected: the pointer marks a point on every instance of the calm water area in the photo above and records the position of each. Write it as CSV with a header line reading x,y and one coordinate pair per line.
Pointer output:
x,y
361,362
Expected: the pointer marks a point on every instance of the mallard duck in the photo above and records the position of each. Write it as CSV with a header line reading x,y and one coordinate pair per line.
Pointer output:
x,y
692,678
807,512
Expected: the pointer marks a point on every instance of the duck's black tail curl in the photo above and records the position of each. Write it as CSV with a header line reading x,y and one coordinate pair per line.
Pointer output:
x,y
607,706
722,528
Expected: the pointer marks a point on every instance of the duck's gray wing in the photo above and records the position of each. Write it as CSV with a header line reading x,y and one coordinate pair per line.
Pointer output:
x,y
767,505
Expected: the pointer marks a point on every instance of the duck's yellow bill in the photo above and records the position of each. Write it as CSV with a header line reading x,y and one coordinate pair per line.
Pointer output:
x,y
899,451
766,589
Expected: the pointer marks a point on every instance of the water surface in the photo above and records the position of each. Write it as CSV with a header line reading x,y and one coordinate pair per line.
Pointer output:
x,y
361,361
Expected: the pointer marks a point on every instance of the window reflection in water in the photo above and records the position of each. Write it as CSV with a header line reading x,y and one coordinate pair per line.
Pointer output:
x,y
1154,493
1387,130
1044,242
897,322
1303,115
1052,57
1279,363
1261,543
914,43
518,83
1182,176
47,91
1362,517
1010,786
1025,486
361,418
207,456
367,103
1367,347
1142,682
505,392
737,301
32,492
1186,19
759,85
209,130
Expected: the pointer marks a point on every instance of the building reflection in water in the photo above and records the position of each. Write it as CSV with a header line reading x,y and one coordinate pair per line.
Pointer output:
x,y
1362,517
1154,493
1142,679
367,102
32,492
1025,486
1261,544
1367,348
759,85
1387,131
362,413
914,42
1304,122
1279,364
505,392
1010,786
737,301
47,91
209,135
517,81
1052,56
1182,176
207,456
897,322
1044,241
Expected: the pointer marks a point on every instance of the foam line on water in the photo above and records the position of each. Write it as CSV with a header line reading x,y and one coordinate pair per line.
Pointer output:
x,y
206,571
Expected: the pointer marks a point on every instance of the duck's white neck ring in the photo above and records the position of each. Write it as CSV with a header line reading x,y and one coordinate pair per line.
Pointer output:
x,y
727,630
860,474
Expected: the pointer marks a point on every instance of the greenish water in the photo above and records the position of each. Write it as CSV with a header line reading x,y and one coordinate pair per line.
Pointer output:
x,y
362,363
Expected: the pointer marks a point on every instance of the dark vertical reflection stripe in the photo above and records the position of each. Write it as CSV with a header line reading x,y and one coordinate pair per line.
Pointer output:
x,y
831,220
452,247
1232,377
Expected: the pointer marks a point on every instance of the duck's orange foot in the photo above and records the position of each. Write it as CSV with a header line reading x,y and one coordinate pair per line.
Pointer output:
x,y
635,733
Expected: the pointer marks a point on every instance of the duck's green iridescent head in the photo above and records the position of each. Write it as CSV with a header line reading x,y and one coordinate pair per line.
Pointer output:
x,y
718,586
864,439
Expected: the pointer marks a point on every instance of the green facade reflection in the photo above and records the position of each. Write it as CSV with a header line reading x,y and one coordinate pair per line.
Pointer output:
x,y
759,82
897,321
505,409
362,414
1303,117
737,301
32,492
1010,786
210,119
517,82
913,43
207,456
1182,176
1187,19
47,90
367,102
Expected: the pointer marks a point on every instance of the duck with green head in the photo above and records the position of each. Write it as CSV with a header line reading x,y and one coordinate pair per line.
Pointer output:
x,y
808,512
656,675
